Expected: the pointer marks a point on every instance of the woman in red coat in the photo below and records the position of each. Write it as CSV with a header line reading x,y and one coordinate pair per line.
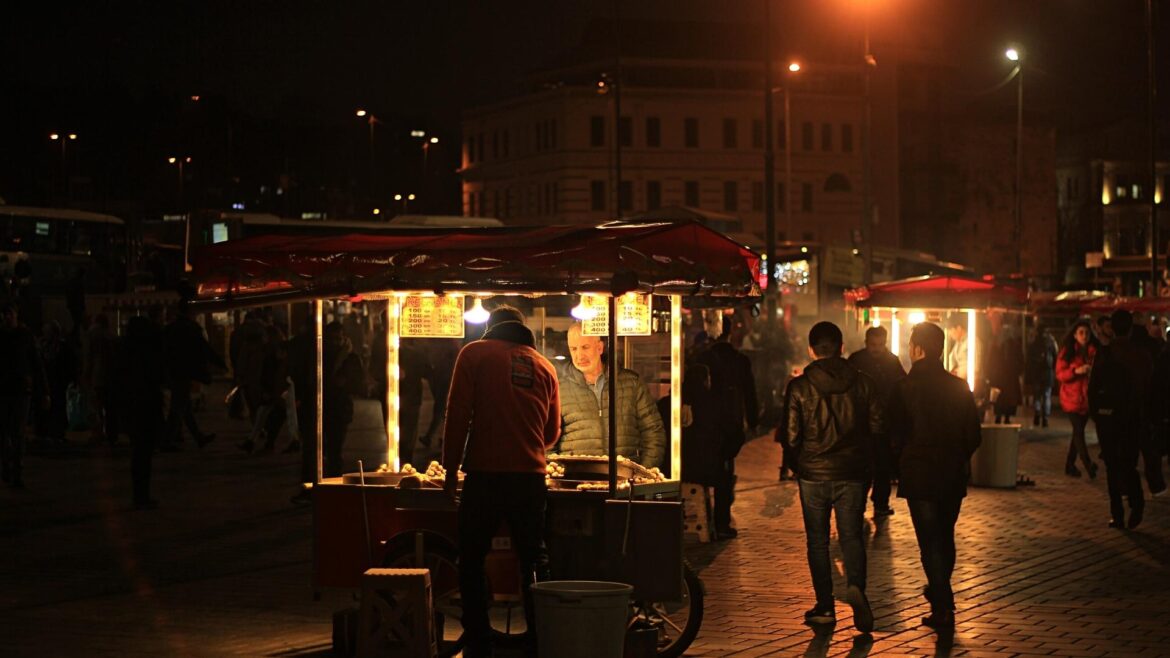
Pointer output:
x,y
1072,371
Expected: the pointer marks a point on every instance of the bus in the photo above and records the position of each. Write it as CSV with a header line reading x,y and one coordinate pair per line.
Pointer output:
x,y
48,246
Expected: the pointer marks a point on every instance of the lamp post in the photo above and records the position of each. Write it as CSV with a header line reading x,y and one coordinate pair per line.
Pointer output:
x,y
180,161
371,120
793,67
1013,54
869,63
64,138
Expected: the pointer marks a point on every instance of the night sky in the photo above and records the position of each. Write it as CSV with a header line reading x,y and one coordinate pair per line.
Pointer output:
x,y
285,74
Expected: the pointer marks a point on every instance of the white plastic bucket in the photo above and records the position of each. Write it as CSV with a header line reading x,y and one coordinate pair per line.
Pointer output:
x,y
581,618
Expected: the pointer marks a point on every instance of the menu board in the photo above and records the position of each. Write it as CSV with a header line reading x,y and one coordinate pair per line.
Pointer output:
x,y
633,315
430,316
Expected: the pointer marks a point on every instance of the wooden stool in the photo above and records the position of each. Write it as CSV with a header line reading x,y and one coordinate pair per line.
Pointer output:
x,y
397,616
696,512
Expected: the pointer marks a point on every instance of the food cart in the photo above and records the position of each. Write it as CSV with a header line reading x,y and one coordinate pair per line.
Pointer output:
x,y
613,521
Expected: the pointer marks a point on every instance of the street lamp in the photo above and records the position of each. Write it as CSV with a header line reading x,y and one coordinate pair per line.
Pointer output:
x,y
1013,55
64,138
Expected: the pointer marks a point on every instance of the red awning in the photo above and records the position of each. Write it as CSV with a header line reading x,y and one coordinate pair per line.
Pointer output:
x,y
937,292
676,258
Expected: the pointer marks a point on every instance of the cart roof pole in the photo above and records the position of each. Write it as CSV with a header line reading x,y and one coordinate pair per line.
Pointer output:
x,y
611,384
319,397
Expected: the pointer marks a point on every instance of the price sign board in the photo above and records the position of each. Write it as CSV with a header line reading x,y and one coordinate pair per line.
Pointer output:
x,y
429,316
633,315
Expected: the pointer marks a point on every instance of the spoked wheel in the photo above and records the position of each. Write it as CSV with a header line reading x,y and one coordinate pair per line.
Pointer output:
x,y
438,555
677,622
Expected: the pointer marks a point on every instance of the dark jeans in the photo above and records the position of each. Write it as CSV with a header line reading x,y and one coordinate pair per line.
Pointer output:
x,y
488,499
13,414
146,424
724,495
934,525
1077,445
181,413
817,501
334,430
883,472
1120,441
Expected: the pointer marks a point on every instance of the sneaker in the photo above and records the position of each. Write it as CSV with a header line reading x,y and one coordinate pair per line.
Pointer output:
x,y
821,614
862,614
1072,471
880,512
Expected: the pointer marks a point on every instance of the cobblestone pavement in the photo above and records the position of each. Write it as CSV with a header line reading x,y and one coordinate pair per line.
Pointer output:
x,y
223,566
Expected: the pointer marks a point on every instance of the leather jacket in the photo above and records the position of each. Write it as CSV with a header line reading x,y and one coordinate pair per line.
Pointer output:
x,y
831,414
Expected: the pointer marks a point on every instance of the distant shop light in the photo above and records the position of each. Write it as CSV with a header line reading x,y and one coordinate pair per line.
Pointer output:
x,y
237,206
312,215
418,133
174,218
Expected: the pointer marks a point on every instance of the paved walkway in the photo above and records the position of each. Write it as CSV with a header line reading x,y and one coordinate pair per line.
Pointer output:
x,y
223,566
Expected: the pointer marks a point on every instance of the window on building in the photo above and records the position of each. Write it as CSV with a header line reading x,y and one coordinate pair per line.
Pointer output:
x,y
757,196
757,133
691,194
730,196
597,195
730,133
540,136
806,200
596,131
470,150
806,135
781,197
653,132
653,195
691,132
505,144
626,196
479,147
508,202
552,133
826,137
837,182
626,131
781,135
847,137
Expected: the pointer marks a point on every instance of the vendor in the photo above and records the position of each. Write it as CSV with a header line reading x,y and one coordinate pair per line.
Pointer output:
x,y
585,407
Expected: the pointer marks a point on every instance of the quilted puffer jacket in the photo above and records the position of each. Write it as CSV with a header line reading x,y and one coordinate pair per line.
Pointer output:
x,y
640,434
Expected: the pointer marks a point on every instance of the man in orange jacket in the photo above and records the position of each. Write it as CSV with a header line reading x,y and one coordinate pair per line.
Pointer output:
x,y
503,413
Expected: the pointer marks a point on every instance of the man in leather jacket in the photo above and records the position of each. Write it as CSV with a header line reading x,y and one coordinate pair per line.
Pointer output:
x,y
934,427
832,413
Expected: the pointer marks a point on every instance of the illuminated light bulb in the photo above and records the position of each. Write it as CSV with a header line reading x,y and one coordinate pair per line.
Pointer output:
x,y
477,314
583,312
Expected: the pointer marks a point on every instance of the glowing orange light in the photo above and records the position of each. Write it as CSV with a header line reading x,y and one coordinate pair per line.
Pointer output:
x,y
794,67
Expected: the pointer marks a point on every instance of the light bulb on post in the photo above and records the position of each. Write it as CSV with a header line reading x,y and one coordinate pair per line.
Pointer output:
x,y
1012,54
477,314
583,312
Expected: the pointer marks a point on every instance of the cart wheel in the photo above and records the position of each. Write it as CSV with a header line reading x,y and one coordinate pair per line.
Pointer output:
x,y
440,557
677,622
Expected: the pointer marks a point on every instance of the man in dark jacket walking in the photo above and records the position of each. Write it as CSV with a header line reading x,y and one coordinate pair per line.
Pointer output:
x,y
733,390
885,370
22,382
1119,406
831,414
189,359
934,427
142,373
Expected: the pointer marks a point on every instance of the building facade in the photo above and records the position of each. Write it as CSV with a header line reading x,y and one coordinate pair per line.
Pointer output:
x,y
691,134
